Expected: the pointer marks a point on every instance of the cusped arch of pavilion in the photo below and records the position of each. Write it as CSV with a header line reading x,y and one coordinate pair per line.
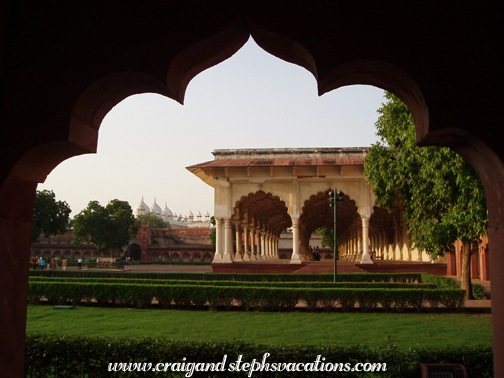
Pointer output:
x,y
258,218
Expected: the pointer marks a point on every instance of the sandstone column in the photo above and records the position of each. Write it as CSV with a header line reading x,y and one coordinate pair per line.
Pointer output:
x,y
259,246
228,241
246,238
253,256
238,256
296,258
366,258
219,239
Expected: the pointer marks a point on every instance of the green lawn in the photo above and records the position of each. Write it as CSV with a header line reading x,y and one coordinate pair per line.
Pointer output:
x,y
343,329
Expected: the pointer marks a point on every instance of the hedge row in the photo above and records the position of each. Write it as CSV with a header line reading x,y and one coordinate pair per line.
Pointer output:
x,y
283,277
440,282
78,356
258,298
375,285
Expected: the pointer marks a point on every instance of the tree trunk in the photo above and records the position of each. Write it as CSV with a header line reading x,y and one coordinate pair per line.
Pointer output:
x,y
466,270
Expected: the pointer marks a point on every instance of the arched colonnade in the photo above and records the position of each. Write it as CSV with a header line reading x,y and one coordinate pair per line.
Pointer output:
x,y
261,193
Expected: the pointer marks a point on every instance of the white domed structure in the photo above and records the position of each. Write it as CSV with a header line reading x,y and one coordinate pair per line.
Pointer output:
x,y
167,213
142,208
156,209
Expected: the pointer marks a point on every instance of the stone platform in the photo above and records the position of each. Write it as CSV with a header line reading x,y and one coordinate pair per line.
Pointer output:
x,y
278,266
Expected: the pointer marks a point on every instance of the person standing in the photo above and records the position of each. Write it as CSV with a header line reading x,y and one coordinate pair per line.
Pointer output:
x,y
42,263
64,264
79,264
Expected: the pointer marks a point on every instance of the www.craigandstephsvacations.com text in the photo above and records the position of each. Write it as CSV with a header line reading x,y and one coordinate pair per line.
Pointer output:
x,y
319,365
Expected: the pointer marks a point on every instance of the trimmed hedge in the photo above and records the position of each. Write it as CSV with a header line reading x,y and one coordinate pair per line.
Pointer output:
x,y
266,277
76,356
375,285
440,282
250,297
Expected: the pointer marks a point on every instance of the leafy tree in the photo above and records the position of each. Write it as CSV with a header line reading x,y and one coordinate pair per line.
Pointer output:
x,y
50,217
213,233
442,193
155,221
327,236
109,228
70,223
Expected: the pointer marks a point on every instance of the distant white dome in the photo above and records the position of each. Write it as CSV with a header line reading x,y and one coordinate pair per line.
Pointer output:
x,y
142,208
167,211
155,208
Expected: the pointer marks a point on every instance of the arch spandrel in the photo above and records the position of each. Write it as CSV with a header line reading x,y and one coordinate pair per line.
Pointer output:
x,y
356,189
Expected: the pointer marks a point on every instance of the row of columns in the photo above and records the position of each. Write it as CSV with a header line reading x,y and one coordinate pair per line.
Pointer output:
x,y
355,242
246,247
356,245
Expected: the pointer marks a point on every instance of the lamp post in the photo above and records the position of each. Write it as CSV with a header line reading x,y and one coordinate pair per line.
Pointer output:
x,y
334,198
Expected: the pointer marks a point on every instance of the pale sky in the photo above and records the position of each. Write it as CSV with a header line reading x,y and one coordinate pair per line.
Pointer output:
x,y
252,100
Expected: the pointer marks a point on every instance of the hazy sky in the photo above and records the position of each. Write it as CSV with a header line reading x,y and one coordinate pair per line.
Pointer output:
x,y
252,100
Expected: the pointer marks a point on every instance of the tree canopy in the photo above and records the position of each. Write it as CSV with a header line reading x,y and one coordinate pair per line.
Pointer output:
x,y
152,219
442,194
109,228
213,233
50,217
327,236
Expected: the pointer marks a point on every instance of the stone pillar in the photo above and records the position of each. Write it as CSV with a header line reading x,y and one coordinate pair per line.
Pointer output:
x,y
239,252
219,240
263,245
253,256
15,234
228,241
366,258
296,258
359,242
246,238
259,246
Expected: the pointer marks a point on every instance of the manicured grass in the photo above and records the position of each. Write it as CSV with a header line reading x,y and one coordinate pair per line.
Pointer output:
x,y
405,330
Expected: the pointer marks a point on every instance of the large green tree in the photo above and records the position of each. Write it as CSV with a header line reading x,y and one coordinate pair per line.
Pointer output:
x,y
109,228
213,233
327,236
153,220
443,196
50,217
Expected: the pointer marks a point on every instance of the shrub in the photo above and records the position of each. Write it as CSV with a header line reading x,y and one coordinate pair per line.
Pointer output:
x,y
479,292
257,297
72,356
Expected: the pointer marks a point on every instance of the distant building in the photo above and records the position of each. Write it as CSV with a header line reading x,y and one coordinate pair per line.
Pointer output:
x,y
173,219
